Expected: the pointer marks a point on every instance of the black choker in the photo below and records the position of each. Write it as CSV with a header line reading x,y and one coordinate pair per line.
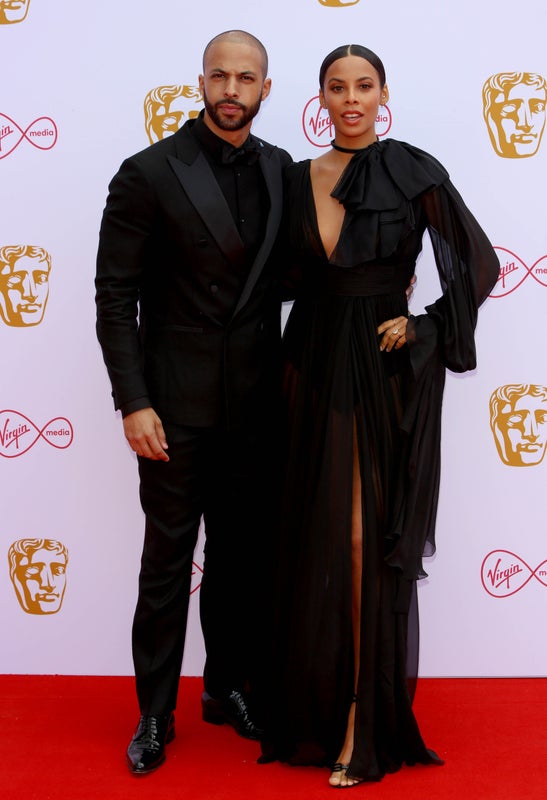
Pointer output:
x,y
348,149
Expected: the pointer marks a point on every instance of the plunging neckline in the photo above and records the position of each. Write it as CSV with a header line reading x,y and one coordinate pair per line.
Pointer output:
x,y
317,230
378,186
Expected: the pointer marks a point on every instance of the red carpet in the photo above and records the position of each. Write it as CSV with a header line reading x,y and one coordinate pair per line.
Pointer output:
x,y
64,738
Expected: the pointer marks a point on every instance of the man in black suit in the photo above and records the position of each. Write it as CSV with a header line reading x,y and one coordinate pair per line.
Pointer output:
x,y
188,318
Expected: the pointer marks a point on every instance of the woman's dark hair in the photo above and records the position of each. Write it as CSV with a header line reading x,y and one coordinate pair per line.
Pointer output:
x,y
352,50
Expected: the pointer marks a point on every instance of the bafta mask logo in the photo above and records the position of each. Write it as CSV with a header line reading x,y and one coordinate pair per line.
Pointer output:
x,y
514,112
167,107
38,573
13,11
518,418
338,3
24,284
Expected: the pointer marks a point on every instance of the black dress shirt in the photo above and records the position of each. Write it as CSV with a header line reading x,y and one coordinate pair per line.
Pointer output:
x,y
242,185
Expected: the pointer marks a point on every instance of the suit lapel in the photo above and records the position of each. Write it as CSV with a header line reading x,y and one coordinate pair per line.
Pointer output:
x,y
198,181
273,178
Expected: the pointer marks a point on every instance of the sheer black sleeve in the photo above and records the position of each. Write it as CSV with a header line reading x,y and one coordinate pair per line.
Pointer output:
x,y
468,269
441,338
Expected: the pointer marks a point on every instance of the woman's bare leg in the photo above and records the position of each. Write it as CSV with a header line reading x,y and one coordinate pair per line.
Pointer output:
x,y
339,777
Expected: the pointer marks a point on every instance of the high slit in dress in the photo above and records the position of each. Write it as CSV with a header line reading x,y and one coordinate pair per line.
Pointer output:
x,y
340,388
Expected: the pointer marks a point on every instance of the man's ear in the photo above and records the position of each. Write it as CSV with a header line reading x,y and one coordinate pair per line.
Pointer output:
x,y
266,87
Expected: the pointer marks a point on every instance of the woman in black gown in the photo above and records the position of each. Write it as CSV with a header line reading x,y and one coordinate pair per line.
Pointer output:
x,y
363,386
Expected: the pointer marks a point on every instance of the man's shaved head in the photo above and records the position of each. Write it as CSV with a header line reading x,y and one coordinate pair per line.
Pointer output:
x,y
240,37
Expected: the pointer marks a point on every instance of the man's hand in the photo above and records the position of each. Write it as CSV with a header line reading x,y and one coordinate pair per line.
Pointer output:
x,y
144,432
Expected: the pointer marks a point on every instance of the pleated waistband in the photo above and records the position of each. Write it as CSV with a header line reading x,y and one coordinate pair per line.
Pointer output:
x,y
366,281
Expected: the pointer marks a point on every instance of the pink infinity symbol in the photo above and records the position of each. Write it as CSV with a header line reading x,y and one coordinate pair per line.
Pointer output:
x,y
503,573
18,433
42,139
197,572
514,272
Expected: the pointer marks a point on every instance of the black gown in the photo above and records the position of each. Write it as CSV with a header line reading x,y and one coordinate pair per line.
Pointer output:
x,y
337,384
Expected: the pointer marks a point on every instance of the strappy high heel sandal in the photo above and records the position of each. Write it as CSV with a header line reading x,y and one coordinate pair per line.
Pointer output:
x,y
339,767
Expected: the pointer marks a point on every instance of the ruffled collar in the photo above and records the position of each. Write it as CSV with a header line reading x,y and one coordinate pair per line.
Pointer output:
x,y
381,175
378,186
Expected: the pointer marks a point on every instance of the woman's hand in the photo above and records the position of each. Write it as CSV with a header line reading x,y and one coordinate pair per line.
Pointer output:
x,y
394,331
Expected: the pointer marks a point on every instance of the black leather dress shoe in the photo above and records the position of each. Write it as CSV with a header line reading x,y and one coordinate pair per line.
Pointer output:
x,y
232,710
146,751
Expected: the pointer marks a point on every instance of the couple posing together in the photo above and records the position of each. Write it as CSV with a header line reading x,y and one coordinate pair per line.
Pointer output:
x,y
319,454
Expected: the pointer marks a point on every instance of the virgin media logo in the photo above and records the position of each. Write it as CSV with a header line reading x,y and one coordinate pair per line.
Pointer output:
x,y
197,572
503,573
514,271
319,130
42,134
18,434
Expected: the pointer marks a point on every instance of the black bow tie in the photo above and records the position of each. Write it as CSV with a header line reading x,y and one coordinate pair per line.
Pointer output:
x,y
248,154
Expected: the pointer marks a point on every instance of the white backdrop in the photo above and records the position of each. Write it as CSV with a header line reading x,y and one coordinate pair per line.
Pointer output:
x,y
75,79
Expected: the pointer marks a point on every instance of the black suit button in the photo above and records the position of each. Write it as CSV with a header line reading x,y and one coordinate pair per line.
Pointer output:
x,y
214,288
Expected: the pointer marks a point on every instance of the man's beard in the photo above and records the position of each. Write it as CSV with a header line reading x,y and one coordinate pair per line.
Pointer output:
x,y
228,123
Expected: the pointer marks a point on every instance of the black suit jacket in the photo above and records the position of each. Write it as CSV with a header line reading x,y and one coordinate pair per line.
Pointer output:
x,y
176,327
